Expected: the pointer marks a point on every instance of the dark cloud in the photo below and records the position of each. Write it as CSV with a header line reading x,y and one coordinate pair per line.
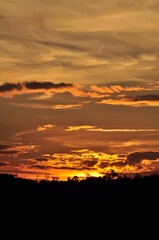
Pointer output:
x,y
137,157
103,165
41,159
46,85
9,152
6,150
68,168
3,164
15,149
4,147
42,167
150,97
114,164
88,163
131,159
118,164
121,156
7,87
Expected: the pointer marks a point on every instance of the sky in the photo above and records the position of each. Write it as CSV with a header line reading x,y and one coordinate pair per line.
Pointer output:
x,y
79,88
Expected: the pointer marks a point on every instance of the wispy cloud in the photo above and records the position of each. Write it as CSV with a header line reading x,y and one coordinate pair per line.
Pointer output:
x,y
91,128
35,130
121,130
4,164
66,106
45,127
18,149
136,102
110,89
77,128
47,106
123,26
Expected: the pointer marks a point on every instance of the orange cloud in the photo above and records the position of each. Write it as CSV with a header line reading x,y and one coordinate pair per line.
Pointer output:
x,y
116,89
93,163
66,106
121,130
77,128
101,89
81,160
84,162
32,131
127,102
45,127
136,89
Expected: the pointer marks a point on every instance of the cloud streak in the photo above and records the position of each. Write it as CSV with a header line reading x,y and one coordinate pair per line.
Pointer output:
x,y
90,128
3,147
131,102
121,130
16,150
46,85
11,89
45,127
77,128
66,106
151,97
4,164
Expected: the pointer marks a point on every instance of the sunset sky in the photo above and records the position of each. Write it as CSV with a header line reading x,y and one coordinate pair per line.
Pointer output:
x,y
79,87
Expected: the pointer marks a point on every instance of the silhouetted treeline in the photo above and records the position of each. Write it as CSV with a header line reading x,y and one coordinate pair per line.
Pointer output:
x,y
108,188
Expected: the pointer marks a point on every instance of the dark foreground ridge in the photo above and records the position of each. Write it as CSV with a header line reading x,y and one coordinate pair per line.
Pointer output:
x,y
105,188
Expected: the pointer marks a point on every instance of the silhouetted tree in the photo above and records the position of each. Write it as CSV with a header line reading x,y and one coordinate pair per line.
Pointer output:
x,y
75,179
110,175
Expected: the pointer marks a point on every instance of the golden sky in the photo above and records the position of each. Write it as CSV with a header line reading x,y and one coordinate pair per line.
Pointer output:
x,y
79,87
